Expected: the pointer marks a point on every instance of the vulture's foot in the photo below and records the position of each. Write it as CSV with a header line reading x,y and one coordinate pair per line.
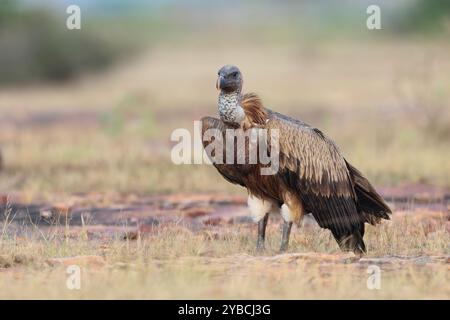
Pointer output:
x,y
260,247
262,224
285,236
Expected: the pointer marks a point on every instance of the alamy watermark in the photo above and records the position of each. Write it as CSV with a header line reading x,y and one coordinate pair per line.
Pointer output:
x,y
374,280
73,281
234,146
373,21
73,21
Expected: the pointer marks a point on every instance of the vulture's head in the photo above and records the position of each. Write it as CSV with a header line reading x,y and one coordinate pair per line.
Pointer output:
x,y
230,79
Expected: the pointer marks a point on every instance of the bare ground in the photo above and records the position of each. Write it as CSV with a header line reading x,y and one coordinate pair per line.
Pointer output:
x,y
136,215
209,240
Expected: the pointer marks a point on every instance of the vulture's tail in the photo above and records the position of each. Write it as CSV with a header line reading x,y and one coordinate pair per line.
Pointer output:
x,y
369,202
352,241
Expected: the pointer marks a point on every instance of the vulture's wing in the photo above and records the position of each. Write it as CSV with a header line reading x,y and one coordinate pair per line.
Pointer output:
x,y
312,166
227,171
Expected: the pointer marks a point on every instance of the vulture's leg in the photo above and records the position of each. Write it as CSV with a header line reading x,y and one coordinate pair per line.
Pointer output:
x,y
262,224
259,210
285,235
291,211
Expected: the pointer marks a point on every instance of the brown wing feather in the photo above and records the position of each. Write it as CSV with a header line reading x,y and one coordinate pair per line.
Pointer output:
x,y
312,166
228,171
316,158
247,175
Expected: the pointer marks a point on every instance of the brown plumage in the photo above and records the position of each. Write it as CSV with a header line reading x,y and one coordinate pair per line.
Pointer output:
x,y
255,113
313,176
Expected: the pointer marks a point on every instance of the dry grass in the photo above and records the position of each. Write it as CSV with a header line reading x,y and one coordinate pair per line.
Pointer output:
x,y
387,115
175,263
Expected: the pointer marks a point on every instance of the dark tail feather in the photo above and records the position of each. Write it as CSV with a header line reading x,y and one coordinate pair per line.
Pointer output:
x,y
369,202
352,241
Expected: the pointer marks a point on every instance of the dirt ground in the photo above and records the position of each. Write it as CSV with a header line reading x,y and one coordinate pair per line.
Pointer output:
x,y
136,232
105,216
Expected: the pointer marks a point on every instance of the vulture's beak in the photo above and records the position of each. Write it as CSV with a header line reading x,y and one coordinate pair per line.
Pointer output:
x,y
219,82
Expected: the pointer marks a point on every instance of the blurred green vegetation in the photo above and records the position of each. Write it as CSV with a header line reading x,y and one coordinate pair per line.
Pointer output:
x,y
36,45
424,16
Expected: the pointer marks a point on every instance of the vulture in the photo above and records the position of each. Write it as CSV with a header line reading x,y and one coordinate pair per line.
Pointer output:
x,y
312,176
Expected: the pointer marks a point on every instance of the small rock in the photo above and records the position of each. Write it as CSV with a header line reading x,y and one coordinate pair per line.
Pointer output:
x,y
241,220
167,205
3,199
62,209
196,212
149,221
213,221
4,262
46,214
22,259
131,235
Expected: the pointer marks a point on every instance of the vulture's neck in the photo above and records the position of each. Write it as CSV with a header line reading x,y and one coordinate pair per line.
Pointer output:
x,y
239,109
230,110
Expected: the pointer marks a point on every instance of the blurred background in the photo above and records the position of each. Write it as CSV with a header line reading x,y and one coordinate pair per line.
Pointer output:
x,y
92,110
